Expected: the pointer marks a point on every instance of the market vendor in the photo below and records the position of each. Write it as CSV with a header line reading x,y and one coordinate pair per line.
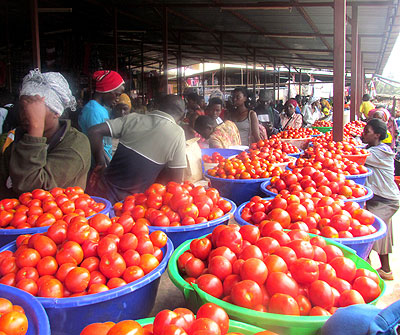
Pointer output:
x,y
148,145
123,106
385,201
109,85
365,107
45,152
311,112
222,135
214,109
289,118
267,115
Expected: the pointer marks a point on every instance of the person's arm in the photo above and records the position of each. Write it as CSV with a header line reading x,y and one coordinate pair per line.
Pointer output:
x,y
298,122
255,132
96,134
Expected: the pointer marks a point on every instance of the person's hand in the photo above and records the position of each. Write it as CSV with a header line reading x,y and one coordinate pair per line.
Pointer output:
x,y
96,175
33,114
268,126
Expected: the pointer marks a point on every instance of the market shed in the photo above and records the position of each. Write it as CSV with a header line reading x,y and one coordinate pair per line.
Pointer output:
x,y
353,36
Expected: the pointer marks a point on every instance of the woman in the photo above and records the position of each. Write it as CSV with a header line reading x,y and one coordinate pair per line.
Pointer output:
x,y
392,132
245,120
311,112
45,151
385,202
124,105
289,118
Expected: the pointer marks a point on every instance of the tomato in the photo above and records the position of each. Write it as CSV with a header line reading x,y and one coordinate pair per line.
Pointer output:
x,y
47,266
321,294
303,249
100,222
97,328
279,215
77,279
148,263
231,238
158,238
112,265
367,287
51,288
204,326
28,285
344,267
5,306
332,251
70,252
275,263
45,246
126,327
246,293
350,297
367,273
254,269
128,241
28,257
14,323
279,282
210,284
287,254
304,304
319,311
58,232
283,304
215,313
220,267
304,270
201,248
194,267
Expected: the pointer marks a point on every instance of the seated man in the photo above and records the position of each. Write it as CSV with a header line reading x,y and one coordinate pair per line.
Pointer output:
x,y
148,144
45,152
224,135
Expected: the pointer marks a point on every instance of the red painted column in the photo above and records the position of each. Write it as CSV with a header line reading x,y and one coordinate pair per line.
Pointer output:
x,y
165,48
339,68
359,75
354,57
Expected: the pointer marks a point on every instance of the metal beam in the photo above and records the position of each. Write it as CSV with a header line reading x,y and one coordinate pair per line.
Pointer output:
x,y
115,34
354,56
339,68
35,34
165,47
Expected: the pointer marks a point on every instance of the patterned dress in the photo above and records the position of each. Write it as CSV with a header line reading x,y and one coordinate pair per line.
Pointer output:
x,y
225,135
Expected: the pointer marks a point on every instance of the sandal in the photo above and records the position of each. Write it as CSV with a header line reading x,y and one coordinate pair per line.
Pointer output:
x,y
385,275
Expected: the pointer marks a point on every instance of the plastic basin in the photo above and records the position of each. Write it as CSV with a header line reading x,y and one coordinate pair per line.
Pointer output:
x,y
234,326
359,159
132,301
38,322
361,200
360,178
361,245
323,129
180,234
281,324
301,143
237,190
9,235
226,153
283,165
297,155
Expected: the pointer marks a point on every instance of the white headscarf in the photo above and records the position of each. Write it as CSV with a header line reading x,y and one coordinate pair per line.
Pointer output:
x,y
52,86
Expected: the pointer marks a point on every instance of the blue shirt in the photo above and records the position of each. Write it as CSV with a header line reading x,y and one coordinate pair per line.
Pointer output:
x,y
298,111
93,113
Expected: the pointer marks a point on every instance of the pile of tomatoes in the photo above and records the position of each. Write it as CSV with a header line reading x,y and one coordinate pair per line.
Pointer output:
x,y
354,128
269,270
174,205
292,133
316,183
328,138
210,319
214,158
77,257
41,208
322,123
12,318
338,148
286,148
249,166
322,216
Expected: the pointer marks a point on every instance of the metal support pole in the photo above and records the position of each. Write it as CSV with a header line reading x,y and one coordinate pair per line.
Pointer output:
x,y
246,73
354,67
142,71
300,83
289,79
359,84
179,66
203,79
35,34
339,67
115,34
274,81
279,82
265,75
221,62
254,72
165,47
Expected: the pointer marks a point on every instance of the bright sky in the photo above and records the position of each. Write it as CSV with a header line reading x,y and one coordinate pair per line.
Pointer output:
x,y
392,68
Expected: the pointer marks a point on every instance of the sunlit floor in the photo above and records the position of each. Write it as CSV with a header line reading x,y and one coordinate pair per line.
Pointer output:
x,y
392,292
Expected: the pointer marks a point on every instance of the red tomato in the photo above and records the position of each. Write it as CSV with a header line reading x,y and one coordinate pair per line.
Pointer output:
x,y
77,279
321,294
367,287
344,267
211,285
350,297
279,282
246,293
283,304
304,271
112,265
215,313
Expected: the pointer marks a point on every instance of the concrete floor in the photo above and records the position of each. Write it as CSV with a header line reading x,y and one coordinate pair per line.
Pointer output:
x,y
170,297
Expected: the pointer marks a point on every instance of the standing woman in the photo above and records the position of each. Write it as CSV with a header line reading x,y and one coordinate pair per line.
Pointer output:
x,y
385,202
246,120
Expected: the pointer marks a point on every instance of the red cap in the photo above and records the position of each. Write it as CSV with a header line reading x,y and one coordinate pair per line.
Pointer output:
x,y
107,81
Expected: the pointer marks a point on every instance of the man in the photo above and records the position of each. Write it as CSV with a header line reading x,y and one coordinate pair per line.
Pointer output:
x,y
267,115
223,135
365,107
148,145
45,151
214,109
123,106
109,86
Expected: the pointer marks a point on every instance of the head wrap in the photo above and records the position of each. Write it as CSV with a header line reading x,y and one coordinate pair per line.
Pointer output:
x,y
292,102
52,86
312,100
217,94
107,81
124,99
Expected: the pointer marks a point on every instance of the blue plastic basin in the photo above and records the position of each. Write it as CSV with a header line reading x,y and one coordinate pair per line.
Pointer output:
x,y
361,200
238,190
226,153
180,234
297,155
132,301
9,235
38,322
360,178
361,245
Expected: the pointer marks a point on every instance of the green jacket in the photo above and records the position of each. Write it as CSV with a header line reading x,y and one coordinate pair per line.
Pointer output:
x,y
32,163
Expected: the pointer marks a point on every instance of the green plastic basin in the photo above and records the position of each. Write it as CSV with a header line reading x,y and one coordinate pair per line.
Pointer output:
x,y
281,324
323,129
